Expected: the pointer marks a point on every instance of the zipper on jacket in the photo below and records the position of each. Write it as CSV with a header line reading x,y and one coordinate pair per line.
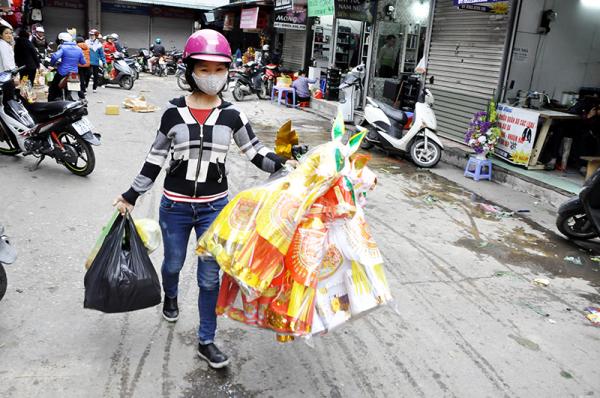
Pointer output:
x,y
199,157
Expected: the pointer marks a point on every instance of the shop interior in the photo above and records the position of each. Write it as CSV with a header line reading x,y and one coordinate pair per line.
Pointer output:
x,y
555,70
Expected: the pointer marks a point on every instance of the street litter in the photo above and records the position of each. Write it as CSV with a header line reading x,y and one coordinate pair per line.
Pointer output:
x,y
523,211
112,110
541,282
503,273
550,320
593,314
573,260
139,104
495,211
595,259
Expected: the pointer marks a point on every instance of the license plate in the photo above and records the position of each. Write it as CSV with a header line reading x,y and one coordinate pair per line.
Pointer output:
x,y
83,126
73,86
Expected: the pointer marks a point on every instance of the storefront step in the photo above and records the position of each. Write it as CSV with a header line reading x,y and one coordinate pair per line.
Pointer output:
x,y
543,185
324,108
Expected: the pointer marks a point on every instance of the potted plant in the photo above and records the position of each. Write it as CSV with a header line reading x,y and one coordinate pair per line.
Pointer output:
x,y
483,132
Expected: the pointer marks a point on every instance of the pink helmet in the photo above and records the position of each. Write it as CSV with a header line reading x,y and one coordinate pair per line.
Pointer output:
x,y
207,45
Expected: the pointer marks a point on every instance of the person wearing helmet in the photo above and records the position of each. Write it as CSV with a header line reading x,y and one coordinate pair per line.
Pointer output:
x,y
117,42
158,50
38,39
195,133
109,50
70,56
97,57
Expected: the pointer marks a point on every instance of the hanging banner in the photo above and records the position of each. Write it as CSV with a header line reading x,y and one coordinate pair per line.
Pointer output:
x,y
495,8
461,2
283,5
319,8
519,128
357,10
249,18
294,19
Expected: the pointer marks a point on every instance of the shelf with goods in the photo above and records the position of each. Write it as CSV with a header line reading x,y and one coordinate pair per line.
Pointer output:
x,y
321,46
410,50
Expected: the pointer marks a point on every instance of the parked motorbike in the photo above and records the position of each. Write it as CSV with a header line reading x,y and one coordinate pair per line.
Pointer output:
x,y
351,90
136,68
57,129
123,76
142,58
248,82
69,87
270,74
8,255
180,76
579,217
390,130
172,59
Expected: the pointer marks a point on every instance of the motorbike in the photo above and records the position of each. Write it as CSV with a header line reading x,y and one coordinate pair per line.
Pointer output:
x,y
136,68
172,60
351,90
123,76
391,130
270,75
142,59
8,255
69,87
579,217
58,129
248,82
180,76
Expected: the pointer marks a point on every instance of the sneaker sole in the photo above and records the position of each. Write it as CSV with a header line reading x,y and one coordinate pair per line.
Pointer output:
x,y
212,364
170,319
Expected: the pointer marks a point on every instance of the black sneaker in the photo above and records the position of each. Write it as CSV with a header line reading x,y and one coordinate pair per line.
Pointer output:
x,y
211,354
170,309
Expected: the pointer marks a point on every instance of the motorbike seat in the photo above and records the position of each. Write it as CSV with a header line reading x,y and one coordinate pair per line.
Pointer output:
x,y
47,110
393,113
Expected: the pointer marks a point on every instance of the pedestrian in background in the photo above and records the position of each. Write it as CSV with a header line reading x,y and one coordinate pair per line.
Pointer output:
x,y
96,56
84,69
301,86
7,53
38,39
26,55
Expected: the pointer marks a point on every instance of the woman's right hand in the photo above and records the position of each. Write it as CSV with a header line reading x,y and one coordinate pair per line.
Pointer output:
x,y
122,205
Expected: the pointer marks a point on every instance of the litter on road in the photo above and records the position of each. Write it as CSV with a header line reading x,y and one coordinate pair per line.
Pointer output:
x,y
593,314
573,260
139,104
541,282
495,211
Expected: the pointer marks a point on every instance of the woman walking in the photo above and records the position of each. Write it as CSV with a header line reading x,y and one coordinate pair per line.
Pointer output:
x,y
194,133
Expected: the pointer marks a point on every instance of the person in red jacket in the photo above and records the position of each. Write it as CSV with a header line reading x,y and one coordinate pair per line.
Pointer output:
x,y
84,69
109,50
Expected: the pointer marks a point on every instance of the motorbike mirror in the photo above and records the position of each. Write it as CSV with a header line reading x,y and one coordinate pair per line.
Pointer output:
x,y
431,80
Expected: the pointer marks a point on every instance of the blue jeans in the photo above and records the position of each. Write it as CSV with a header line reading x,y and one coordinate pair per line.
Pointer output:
x,y
176,222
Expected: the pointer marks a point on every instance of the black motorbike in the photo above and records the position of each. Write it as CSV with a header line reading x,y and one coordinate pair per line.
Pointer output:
x,y
180,76
124,75
142,59
58,129
249,81
579,217
172,60
8,255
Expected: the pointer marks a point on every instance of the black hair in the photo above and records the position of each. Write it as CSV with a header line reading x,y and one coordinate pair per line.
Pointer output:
x,y
23,33
301,72
389,37
189,70
3,29
79,39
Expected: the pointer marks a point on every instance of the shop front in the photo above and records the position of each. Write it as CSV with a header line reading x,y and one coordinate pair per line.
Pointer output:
x,y
289,22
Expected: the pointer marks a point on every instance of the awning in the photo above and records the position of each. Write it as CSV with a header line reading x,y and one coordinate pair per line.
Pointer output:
x,y
194,4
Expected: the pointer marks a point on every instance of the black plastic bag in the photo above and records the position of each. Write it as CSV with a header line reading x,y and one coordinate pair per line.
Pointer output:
x,y
121,277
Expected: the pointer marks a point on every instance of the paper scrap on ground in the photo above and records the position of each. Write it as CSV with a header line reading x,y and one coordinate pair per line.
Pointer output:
x,y
541,282
574,260
593,314
139,104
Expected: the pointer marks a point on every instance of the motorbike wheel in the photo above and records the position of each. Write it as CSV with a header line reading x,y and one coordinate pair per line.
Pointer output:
x,y
262,92
238,94
366,145
3,282
86,160
6,146
126,82
136,74
182,83
574,224
425,157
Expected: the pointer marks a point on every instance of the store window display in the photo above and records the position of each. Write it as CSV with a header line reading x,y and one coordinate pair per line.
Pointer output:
x,y
387,60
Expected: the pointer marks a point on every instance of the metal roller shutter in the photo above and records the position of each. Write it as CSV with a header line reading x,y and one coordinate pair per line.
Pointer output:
x,y
133,30
466,60
294,46
58,19
173,32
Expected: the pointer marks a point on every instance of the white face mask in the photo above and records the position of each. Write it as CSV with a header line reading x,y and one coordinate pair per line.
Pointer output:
x,y
211,84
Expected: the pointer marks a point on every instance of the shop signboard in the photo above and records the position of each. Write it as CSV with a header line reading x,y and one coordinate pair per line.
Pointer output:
x,y
249,18
461,2
283,5
294,19
495,8
357,10
65,3
319,8
120,8
518,130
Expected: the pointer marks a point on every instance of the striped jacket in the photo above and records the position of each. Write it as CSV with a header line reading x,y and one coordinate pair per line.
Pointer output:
x,y
197,153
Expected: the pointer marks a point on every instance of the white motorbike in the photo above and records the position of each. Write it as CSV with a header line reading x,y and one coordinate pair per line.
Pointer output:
x,y
389,130
351,90
8,255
